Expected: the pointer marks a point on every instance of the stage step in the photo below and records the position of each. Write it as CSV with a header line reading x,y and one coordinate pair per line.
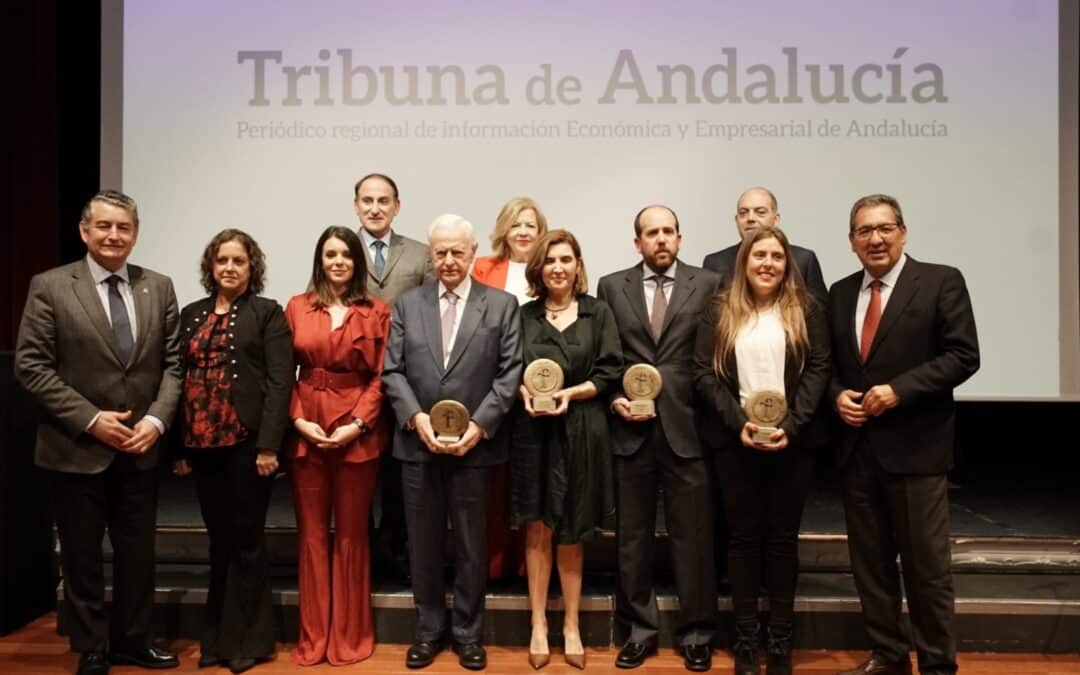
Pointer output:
x,y
995,612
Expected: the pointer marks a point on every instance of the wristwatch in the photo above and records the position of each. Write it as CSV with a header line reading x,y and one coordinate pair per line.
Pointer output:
x,y
359,424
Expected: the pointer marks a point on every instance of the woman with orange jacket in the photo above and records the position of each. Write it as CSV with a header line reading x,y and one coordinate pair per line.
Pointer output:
x,y
519,224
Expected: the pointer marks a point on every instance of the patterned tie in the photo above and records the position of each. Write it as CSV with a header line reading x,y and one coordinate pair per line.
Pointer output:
x,y
448,322
659,306
379,262
870,323
121,324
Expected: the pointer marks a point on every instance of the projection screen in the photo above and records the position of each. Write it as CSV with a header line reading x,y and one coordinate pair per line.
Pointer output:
x,y
262,115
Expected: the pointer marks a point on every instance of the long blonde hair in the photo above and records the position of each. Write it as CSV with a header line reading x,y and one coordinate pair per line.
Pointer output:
x,y
735,307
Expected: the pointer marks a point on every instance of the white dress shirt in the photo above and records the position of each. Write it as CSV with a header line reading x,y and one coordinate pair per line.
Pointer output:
x,y
649,284
462,291
100,275
888,283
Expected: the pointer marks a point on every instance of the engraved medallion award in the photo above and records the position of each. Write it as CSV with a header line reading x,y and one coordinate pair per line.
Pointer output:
x,y
642,383
543,377
766,408
449,420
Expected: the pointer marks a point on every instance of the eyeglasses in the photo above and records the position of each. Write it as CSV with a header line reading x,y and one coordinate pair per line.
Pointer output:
x,y
886,230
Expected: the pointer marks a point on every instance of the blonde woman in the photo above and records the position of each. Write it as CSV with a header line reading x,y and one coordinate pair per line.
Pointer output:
x,y
764,333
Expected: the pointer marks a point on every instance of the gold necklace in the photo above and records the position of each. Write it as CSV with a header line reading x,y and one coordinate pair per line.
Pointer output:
x,y
554,312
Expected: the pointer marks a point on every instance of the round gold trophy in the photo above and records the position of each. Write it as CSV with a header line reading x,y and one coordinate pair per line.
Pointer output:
x,y
766,408
642,383
449,420
543,377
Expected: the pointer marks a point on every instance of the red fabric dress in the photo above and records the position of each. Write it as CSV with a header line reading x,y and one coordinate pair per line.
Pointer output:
x,y
506,550
340,380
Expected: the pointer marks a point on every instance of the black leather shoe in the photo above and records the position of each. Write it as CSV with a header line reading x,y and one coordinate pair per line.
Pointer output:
x,y
874,666
151,657
633,654
697,658
208,660
240,665
93,663
471,655
421,654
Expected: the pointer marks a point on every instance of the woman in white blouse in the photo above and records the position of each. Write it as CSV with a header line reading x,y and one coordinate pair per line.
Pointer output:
x,y
765,333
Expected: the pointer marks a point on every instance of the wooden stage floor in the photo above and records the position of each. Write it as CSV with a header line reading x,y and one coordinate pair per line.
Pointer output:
x,y
37,649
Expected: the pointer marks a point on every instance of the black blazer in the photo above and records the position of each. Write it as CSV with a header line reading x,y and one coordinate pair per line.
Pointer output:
x,y
925,346
723,263
722,417
262,367
673,355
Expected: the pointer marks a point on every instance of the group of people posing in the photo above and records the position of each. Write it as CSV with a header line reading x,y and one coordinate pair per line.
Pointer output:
x,y
340,385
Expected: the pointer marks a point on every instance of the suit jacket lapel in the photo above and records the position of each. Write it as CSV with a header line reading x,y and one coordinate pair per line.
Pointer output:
x,y
85,291
906,288
635,294
143,306
429,313
681,291
393,255
470,319
850,297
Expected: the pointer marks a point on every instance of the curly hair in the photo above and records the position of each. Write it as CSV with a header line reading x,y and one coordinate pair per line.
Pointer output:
x,y
255,256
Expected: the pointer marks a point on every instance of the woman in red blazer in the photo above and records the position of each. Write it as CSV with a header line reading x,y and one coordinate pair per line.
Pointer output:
x,y
519,224
339,337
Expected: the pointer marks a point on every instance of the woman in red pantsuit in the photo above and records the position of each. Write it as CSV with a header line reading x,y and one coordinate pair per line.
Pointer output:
x,y
519,224
339,337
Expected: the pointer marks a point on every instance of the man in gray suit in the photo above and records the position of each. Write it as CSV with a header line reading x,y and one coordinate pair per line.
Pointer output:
x,y
98,349
658,304
757,207
394,264
452,339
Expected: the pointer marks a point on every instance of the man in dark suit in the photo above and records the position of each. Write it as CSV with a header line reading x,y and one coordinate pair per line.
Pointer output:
x,y
657,305
98,349
452,339
903,338
395,264
756,208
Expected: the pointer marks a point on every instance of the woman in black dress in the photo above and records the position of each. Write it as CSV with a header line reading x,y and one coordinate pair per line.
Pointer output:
x,y
560,468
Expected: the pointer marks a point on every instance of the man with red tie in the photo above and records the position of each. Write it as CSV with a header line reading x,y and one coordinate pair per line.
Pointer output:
x,y
903,338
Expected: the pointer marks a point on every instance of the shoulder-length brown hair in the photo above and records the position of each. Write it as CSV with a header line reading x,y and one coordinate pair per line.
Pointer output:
x,y
255,257
534,269
319,286
735,307
509,213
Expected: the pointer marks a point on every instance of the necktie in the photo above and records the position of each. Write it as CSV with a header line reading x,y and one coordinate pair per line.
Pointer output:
x,y
379,262
121,324
659,307
448,321
871,321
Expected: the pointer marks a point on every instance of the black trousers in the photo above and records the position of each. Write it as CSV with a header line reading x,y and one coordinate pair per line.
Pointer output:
x,y
433,491
239,620
905,515
764,494
387,530
688,512
123,499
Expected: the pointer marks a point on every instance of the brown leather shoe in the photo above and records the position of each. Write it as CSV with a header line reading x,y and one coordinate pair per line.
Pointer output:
x,y
872,666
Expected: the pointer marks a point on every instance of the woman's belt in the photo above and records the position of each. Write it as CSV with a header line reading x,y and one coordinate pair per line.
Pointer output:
x,y
320,378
